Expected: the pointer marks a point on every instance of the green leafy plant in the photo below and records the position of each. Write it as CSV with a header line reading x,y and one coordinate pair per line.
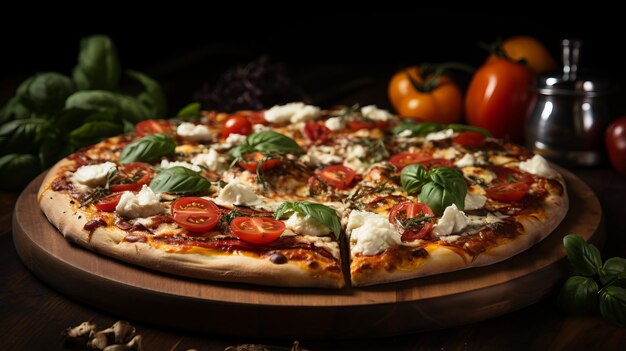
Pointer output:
x,y
53,115
439,188
266,141
598,287
424,128
179,180
321,213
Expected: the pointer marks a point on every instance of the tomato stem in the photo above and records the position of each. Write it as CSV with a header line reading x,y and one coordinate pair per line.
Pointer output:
x,y
431,74
497,49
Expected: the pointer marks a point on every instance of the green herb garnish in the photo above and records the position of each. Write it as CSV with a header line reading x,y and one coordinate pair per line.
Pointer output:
x,y
179,180
321,213
438,188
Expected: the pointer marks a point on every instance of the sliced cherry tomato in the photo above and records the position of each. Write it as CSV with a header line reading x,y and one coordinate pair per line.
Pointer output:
x,y
472,140
251,161
337,176
508,192
356,125
108,203
258,230
406,158
401,215
195,214
236,124
506,175
384,204
153,126
316,132
436,162
257,117
132,177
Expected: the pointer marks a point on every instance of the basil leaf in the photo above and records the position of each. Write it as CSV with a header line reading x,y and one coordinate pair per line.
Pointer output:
x,y
179,180
321,213
93,132
578,295
453,183
418,129
45,93
585,258
266,141
122,106
613,268
98,64
13,109
148,148
413,177
20,135
613,305
153,98
17,170
466,128
192,110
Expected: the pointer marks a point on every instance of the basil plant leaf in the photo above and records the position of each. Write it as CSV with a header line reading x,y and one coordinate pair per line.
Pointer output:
x,y
148,148
122,106
614,268
17,170
321,213
578,295
153,98
45,93
98,64
190,111
613,305
584,257
179,180
93,132
418,129
413,177
20,135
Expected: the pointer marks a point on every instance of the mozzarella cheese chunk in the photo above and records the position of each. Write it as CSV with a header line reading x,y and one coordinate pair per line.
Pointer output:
x,y
441,135
259,128
92,175
465,161
354,158
237,193
537,165
452,221
371,233
335,123
485,175
319,155
474,201
306,225
167,164
211,160
293,112
144,204
375,113
490,218
447,154
193,132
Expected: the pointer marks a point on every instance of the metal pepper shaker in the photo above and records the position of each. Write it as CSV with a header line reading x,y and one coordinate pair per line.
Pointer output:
x,y
570,114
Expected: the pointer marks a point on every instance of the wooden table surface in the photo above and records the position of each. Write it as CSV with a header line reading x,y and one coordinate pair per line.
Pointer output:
x,y
33,316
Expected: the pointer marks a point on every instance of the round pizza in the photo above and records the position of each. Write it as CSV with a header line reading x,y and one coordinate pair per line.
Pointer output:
x,y
303,197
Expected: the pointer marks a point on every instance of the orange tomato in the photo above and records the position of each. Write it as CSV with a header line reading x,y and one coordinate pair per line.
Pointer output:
x,y
498,98
527,48
440,103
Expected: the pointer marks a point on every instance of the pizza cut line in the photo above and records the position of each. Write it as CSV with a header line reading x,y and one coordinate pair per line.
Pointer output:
x,y
298,196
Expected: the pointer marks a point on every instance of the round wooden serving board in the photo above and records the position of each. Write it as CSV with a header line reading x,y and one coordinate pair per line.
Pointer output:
x,y
241,310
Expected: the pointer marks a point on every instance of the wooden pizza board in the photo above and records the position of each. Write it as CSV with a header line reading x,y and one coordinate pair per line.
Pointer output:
x,y
440,301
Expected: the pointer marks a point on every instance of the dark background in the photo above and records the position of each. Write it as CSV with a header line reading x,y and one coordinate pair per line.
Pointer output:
x,y
182,52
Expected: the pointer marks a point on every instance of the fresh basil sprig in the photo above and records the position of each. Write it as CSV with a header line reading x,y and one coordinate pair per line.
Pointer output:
x,y
424,128
148,148
323,214
179,180
439,188
266,141
598,287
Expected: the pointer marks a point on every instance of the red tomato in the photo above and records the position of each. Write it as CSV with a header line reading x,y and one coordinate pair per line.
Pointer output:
x,y
337,176
195,214
616,144
317,132
508,192
510,175
131,177
108,203
257,117
153,126
356,125
406,158
251,161
472,140
236,124
498,98
258,230
436,162
403,212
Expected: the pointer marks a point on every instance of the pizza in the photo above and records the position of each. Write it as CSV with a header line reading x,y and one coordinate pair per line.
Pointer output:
x,y
300,196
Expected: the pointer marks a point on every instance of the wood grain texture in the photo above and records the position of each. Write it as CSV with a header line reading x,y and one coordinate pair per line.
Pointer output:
x,y
392,309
